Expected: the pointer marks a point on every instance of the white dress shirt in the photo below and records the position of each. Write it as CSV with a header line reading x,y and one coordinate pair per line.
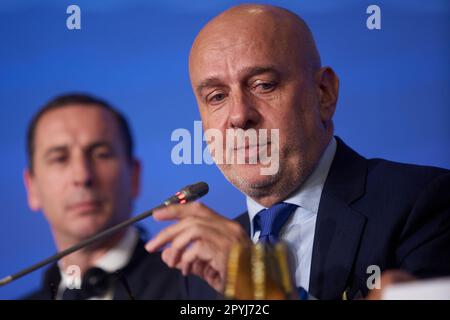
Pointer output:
x,y
114,259
298,232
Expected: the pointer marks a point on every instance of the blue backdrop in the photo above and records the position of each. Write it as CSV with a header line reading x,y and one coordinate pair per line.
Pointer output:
x,y
394,97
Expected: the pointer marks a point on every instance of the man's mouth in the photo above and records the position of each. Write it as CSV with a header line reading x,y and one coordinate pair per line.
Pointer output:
x,y
252,146
250,153
84,206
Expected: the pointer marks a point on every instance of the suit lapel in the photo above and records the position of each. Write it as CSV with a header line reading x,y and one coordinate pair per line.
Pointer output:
x,y
338,226
337,236
51,282
244,221
127,276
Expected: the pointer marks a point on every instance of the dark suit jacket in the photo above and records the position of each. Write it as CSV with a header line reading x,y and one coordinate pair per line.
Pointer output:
x,y
147,277
377,212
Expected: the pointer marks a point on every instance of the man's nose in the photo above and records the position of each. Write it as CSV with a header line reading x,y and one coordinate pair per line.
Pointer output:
x,y
82,174
243,112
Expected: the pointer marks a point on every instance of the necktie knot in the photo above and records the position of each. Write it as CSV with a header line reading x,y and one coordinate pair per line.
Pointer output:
x,y
270,221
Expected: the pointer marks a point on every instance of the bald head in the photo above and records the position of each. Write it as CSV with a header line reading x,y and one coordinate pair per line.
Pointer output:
x,y
279,28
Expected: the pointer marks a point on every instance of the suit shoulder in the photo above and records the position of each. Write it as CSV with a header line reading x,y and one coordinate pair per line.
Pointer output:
x,y
403,175
151,264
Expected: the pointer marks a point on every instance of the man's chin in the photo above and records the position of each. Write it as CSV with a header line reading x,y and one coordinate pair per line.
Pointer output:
x,y
248,179
85,227
83,233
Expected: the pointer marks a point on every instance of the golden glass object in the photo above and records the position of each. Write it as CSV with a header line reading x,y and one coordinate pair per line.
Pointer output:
x,y
260,272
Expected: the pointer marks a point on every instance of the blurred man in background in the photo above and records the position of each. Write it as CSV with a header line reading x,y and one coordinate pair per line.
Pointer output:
x,y
83,175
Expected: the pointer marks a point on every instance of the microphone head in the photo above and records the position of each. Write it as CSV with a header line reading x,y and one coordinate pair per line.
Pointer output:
x,y
189,193
195,191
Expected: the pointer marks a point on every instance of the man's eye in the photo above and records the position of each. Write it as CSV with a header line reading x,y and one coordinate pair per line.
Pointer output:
x,y
265,86
103,154
59,159
217,97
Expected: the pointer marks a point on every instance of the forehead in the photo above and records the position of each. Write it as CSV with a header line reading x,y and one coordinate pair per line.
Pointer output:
x,y
75,124
230,52
220,57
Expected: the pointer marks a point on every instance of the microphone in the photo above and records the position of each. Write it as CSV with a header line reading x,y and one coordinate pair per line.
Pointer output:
x,y
189,193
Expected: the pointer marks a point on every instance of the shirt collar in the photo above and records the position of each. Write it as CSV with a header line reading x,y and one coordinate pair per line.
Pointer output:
x,y
118,257
308,195
115,258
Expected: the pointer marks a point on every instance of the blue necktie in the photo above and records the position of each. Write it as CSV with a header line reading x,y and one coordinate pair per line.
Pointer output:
x,y
270,221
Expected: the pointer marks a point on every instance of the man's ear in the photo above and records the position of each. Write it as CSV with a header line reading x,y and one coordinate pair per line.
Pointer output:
x,y
135,177
328,86
32,195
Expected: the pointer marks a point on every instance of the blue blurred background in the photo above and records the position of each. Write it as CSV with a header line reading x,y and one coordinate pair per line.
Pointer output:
x,y
394,98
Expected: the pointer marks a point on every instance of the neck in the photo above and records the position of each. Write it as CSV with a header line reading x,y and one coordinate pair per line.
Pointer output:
x,y
85,258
